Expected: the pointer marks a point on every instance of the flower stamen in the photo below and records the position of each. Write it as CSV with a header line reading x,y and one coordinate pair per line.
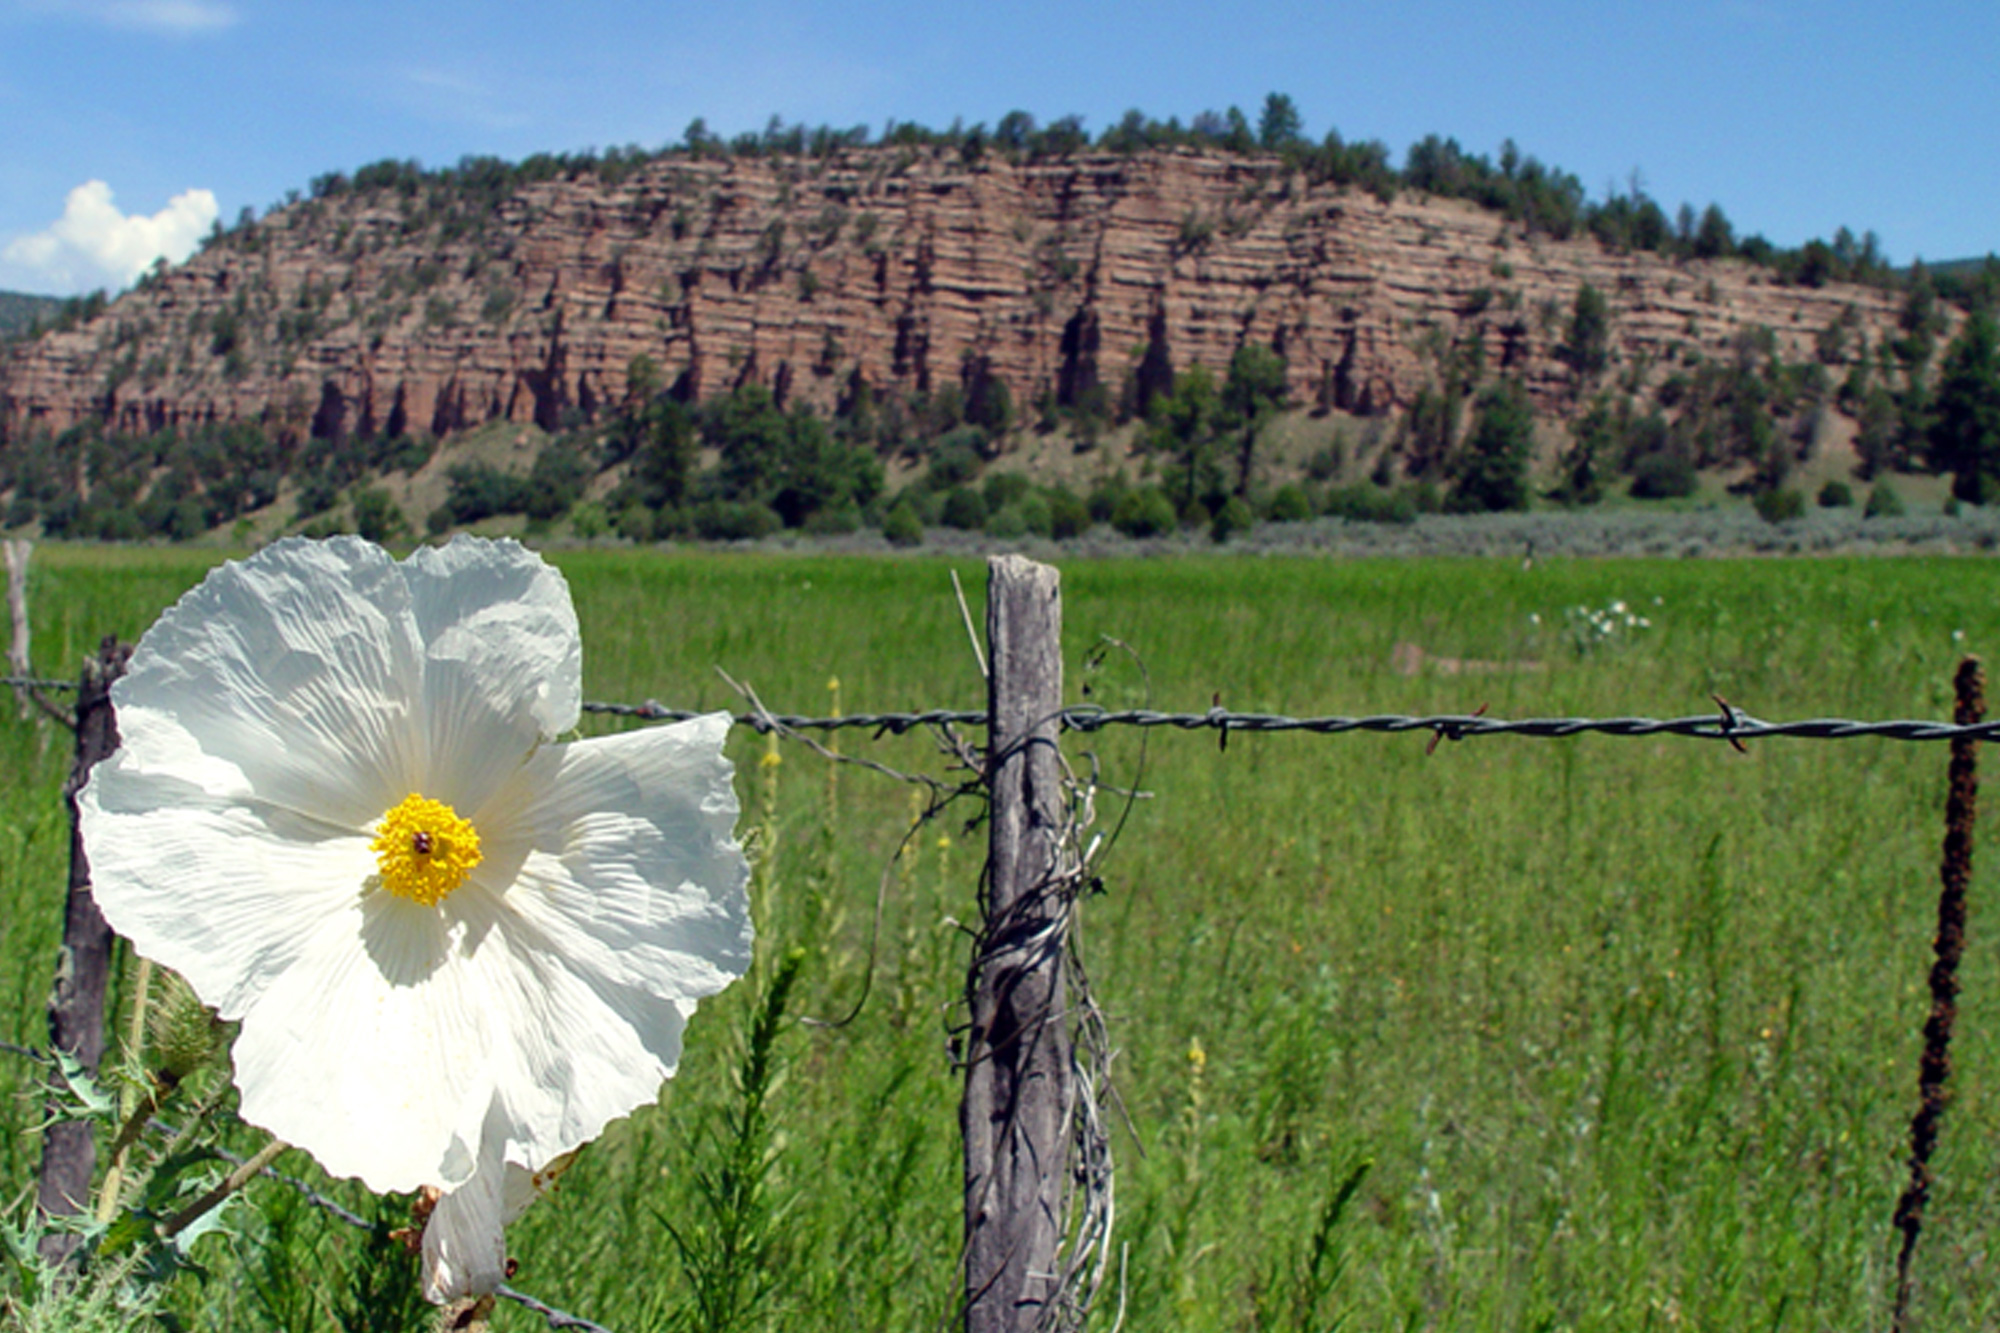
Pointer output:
x,y
425,849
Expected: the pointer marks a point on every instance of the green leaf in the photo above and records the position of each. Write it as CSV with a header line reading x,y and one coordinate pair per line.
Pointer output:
x,y
79,1096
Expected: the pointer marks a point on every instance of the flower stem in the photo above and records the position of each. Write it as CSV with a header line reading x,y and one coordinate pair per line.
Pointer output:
x,y
136,1120
233,1182
136,1111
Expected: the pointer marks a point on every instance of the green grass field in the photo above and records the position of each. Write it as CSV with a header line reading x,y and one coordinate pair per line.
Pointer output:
x,y
1626,1031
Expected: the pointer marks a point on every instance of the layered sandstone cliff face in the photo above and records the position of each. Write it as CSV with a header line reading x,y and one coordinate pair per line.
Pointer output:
x,y
389,312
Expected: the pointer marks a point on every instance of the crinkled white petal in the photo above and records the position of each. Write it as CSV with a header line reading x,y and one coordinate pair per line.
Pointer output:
x,y
524,1187
374,1051
465,1243
296,671
503,663
616,860
465,1246
386,1049
226,891
336,681
623,849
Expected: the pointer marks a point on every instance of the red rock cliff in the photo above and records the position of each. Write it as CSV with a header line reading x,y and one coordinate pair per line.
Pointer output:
x,y
389,312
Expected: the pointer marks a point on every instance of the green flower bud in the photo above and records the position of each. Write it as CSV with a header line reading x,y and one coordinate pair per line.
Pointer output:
x,y
183,1033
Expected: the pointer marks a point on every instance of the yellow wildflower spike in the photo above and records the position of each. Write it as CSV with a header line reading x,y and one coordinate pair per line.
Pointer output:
x,y
425,850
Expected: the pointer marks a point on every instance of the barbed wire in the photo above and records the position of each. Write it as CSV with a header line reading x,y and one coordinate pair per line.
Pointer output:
x,y
1729,723
880,723
37,683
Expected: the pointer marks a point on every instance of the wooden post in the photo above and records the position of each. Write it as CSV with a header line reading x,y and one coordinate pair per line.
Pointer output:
x,y
19,660
1018,1080
76,1004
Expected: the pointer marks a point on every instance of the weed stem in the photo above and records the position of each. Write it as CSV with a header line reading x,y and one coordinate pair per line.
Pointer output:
x,y
1955,873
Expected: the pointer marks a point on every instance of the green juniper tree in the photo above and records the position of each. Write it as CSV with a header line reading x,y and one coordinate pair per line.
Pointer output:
x,y
1593,440
1280,126
1491,472
1965,417
1251,396
1588,350
1186,425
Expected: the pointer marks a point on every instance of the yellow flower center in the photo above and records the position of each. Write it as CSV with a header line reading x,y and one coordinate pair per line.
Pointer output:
x,y
425,850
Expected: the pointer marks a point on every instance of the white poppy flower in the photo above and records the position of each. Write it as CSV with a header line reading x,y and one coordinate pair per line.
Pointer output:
x,y
457,948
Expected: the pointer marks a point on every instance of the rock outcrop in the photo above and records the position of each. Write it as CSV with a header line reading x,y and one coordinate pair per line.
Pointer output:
x,y
427,310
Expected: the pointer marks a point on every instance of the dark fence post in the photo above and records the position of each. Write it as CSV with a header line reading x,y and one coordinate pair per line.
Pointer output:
x,y
1017,1083
76,1004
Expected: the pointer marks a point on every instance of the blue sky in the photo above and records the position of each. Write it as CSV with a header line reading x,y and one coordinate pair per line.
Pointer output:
x,y
132,124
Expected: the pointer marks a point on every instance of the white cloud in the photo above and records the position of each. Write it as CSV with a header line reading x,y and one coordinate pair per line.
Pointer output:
x,y
93,244
173,17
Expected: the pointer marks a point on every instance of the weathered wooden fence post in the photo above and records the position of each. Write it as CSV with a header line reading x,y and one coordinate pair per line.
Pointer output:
x,y
19,659
1018,1075
76,1004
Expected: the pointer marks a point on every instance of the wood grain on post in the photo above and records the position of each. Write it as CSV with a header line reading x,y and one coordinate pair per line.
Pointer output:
x,y
76,1004
1017,1084
20,661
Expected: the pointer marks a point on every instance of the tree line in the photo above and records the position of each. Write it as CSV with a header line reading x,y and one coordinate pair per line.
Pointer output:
x,y
1197,459
1541,197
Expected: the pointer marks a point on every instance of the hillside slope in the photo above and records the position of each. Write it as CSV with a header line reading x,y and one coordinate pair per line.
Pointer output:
x,y
413,308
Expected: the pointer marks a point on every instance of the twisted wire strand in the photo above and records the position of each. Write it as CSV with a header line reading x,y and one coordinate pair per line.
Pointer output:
x,y
894,724
1728,724
1725,726
1732,725
37,683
